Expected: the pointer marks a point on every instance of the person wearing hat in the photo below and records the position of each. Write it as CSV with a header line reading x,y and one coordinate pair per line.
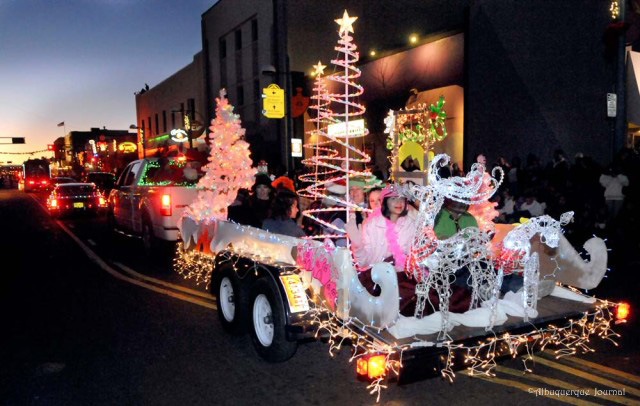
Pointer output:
x,y
261,197
386,236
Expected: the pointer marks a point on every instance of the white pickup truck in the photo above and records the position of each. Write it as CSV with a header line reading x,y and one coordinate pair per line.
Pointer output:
x,y
150,196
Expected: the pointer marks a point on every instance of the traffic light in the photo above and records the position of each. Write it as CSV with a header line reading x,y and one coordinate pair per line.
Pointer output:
x,y
51,147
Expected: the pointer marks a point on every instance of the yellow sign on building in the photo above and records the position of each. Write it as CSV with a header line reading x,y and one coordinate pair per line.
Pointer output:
x,y
273,101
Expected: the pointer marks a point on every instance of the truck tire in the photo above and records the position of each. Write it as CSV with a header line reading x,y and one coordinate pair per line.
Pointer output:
x,y
149,240
232,300
268,323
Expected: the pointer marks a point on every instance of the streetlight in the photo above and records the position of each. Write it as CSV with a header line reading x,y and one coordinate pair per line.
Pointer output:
x,y
142,140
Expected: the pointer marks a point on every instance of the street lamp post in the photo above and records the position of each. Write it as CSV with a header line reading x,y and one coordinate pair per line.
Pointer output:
x,y
285,138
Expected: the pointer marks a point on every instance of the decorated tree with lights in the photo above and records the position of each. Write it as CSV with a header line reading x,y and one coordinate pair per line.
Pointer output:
x,y
346,126
229,167
319,145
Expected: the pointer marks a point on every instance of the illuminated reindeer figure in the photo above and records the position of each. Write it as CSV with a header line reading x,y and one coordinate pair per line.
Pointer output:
x,y
518,242
434,262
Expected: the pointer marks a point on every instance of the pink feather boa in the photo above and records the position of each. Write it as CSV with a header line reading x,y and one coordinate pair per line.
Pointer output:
x,y
391,235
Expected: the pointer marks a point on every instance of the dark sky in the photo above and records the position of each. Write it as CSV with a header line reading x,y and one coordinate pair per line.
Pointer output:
x,y
80,61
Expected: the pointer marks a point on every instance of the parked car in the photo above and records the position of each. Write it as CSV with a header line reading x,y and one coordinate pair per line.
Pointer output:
x,y
103,180
68,198
149,197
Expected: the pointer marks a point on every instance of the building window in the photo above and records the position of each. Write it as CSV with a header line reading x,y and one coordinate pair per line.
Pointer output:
x,y
254,30
223,73
150,128
239,73
238,35
256,89
240,94
223,48
191,108
157,126
254,58
164,121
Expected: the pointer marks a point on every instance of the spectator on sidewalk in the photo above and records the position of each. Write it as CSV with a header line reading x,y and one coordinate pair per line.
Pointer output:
x,y
613,181
532,206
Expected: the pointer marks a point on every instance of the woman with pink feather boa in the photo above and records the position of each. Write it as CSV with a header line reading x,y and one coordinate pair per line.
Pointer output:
x,y
386,236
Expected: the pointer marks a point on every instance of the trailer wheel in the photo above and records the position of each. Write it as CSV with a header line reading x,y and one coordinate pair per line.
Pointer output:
x,y
268,323
232,301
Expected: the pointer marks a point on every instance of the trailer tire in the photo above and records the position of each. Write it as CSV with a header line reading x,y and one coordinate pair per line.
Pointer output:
x,y
268,323
232,300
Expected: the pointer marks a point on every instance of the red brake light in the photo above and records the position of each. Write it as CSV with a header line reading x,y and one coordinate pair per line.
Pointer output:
x,y
165,209
44,182
31,182
101,200
54,203
622,312
371,367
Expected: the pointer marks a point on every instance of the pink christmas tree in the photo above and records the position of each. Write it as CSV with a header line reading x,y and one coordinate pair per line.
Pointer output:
x,y
229,167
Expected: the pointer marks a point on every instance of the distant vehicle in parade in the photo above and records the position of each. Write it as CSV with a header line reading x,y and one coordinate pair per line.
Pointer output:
x,y
149,197
103,180
36,175
75,198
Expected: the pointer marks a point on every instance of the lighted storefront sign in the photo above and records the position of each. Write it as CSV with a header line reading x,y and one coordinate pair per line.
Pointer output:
x,y
127,147
179,135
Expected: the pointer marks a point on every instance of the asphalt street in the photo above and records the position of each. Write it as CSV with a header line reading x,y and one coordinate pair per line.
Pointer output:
x,y
87,319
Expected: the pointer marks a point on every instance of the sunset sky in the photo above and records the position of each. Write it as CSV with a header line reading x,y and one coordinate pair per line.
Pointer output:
x,y
80,61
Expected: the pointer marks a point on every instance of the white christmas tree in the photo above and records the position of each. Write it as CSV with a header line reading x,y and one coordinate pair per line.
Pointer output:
x,y
229,167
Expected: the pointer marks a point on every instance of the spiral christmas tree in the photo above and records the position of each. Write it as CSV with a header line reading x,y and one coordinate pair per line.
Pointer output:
x,y
229,167
320,145
346,126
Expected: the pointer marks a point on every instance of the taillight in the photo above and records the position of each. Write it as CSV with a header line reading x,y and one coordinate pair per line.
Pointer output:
x,y
165,209
102,201
44,182
623,310
31,182
54,203
372,366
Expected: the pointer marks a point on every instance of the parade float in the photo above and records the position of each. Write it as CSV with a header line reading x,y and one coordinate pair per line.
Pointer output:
x,y
282,289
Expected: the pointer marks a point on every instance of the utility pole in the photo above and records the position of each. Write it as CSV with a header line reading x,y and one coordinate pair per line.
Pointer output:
x,y
620,134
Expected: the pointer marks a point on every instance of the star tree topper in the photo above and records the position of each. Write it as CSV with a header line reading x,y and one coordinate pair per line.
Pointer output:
x,y
318,69
346,23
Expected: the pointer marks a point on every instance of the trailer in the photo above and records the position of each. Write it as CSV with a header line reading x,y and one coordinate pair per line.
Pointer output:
x,y
283,290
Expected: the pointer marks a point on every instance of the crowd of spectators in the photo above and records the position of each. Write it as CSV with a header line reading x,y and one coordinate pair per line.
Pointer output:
x,y
605,199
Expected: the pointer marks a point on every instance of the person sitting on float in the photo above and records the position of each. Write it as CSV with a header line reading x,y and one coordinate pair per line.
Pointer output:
x,y
261,197
284,211
386,236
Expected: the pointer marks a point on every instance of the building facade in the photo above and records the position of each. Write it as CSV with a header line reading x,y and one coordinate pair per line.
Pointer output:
x,y
99,149
524,80
165,106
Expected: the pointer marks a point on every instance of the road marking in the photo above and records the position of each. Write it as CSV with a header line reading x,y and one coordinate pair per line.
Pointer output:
x,y
586,375
90,241
163,283
565,385
531,389
102,264
602,368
